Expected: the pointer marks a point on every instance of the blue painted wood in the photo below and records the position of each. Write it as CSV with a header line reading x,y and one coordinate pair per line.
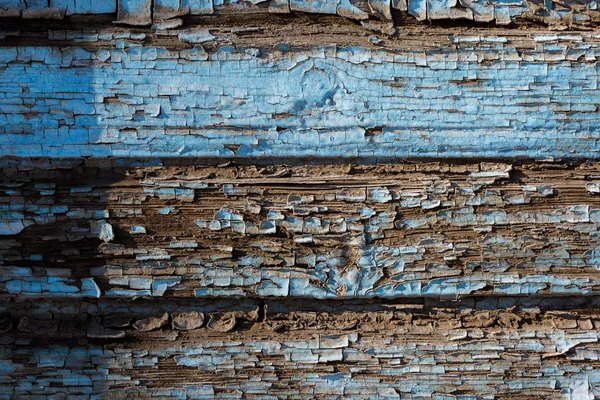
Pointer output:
x,y
198,6
85,6
322,103
293,267
500,12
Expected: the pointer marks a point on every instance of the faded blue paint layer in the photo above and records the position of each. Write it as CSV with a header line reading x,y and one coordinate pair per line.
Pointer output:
x,y
322,103
458,359
85,6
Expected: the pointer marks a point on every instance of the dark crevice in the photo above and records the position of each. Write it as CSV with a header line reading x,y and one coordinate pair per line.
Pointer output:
x,y
262,310
118,162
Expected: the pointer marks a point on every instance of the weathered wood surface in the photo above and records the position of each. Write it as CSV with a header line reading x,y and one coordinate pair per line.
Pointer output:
x,y
409,230
538,95
168,13
243,204
222,250
523,349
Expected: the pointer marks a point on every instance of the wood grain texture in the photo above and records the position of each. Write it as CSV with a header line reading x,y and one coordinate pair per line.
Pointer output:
x,y
323,232
436,280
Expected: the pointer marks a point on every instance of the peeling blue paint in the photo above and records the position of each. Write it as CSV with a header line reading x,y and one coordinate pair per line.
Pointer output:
x,y
338,109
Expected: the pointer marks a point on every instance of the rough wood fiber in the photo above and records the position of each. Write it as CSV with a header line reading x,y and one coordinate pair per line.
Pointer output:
x,y
467,350
433,230
222,250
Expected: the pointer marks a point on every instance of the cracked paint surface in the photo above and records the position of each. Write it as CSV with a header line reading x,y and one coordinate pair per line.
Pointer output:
x,y
307,232
142,12
397,351
328,102
287,274
247,205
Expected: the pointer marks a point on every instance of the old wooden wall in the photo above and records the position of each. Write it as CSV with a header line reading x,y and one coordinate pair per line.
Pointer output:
x,y
299,199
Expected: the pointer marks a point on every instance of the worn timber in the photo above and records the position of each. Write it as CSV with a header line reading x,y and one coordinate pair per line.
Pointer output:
x,y
459,271
299,199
